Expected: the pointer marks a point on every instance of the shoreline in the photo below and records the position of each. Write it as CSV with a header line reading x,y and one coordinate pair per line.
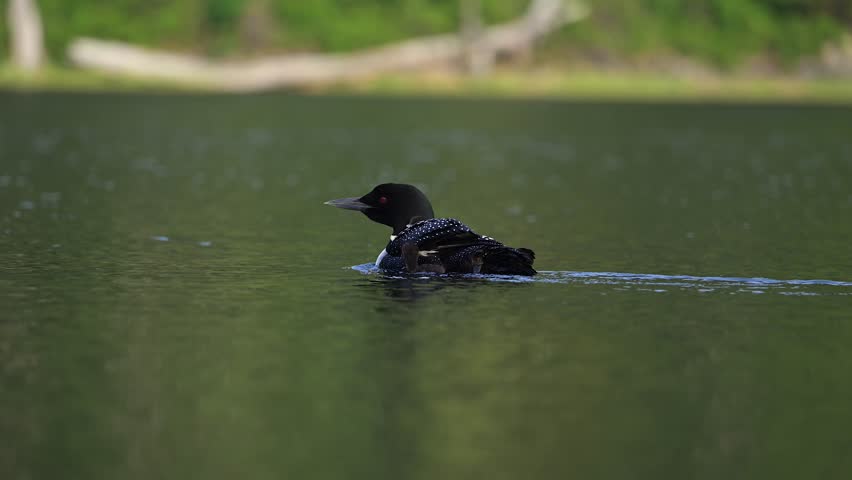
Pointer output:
x,y
560,83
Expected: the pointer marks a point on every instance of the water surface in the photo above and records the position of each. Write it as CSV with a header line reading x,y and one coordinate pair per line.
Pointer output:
x,y
176,302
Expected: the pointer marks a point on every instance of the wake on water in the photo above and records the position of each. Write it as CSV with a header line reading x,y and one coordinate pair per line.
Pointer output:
x,y
652,282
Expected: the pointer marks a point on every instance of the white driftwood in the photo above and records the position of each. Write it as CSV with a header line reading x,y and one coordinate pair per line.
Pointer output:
x,y
542,17
27,39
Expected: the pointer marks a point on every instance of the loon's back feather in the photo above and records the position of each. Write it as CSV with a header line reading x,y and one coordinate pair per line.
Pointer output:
x,y
458,248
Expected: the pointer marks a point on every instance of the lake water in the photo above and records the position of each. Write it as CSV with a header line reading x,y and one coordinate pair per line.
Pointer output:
x,y
176,301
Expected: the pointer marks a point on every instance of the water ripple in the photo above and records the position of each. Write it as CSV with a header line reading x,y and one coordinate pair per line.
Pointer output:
x,y
657,283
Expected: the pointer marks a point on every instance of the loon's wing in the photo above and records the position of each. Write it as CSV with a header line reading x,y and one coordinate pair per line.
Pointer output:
x,y
460,249
492,259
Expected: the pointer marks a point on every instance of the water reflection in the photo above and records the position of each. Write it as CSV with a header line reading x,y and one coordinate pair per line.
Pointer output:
x,y
414,287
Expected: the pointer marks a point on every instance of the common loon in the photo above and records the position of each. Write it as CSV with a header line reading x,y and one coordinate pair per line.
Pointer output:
x,y
422,243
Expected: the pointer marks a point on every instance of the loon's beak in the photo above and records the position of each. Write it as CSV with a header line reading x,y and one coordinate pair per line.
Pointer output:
x,y
349,204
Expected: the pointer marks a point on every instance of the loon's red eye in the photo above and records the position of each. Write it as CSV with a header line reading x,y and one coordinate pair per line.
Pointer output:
x,y
383,200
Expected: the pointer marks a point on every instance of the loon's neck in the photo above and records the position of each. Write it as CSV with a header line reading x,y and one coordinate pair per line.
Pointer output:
x,y
400,225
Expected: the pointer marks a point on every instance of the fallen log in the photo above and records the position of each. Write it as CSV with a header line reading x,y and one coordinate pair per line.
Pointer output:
x,y
541,18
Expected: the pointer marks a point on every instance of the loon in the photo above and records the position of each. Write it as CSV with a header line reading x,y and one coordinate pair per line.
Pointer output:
x,y
422,243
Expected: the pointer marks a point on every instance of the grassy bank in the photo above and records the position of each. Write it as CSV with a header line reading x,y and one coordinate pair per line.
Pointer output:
x,y
56,79
618,86
561,83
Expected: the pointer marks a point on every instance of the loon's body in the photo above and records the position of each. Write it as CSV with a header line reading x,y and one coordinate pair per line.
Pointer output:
x,y
422,243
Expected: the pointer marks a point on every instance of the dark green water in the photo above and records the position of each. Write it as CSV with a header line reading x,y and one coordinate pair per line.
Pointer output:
x,y
176,302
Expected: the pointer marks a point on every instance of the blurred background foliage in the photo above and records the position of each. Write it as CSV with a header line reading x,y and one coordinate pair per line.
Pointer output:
x,y
723,32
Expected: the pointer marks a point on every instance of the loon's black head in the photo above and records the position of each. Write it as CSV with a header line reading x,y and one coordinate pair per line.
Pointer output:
x,y
391,204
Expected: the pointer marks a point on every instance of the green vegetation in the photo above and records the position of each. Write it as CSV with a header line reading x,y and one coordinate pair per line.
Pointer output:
x,y
591,84
53,78
238,26
724,32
